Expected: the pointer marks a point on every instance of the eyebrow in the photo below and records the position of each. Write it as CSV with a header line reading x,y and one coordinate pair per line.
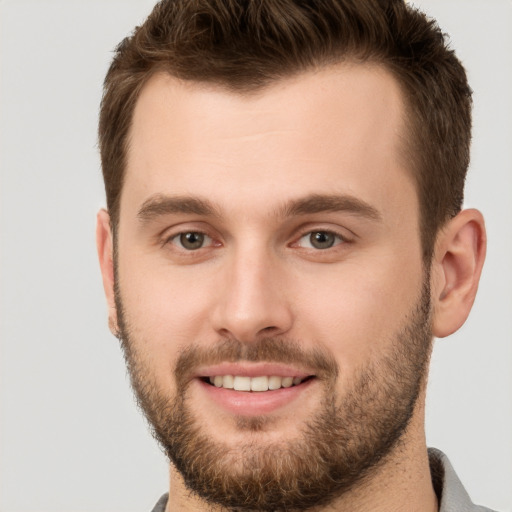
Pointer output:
x,y
160,205
318,203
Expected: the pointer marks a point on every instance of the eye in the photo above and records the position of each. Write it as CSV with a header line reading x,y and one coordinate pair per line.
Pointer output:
x,y
191,240
320,240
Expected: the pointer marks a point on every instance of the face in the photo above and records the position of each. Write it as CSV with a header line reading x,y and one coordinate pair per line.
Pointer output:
x,y
270,291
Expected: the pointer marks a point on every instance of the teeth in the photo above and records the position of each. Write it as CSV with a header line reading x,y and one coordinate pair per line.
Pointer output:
x,y
228,382
263,383
259,384
274,382
287,382
242,383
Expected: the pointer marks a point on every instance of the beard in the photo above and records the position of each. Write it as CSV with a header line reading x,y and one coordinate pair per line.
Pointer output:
x,y
348,437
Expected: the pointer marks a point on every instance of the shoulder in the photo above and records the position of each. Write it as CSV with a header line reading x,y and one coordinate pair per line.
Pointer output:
x,y
161,504
449,489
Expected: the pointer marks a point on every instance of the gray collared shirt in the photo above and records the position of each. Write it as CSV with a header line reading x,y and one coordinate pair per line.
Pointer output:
x,y
449,489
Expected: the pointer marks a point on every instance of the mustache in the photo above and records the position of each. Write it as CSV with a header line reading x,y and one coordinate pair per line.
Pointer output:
x,y
275,350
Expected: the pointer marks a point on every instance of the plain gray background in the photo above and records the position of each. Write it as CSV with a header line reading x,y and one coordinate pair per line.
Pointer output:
x,y
71,438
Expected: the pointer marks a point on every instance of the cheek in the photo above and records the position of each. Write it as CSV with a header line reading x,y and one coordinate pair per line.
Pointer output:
x,y
357,315
166,303
164,311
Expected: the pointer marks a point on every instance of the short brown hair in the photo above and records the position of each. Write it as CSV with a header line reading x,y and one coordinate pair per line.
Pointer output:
x,y
245,45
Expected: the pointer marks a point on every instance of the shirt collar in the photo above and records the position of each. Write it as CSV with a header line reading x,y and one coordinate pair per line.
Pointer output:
x,y
449,489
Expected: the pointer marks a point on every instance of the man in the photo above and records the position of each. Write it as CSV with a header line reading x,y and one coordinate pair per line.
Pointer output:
x,y
284,238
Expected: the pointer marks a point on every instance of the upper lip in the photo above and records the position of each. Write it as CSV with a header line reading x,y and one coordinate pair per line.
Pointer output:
x,y
248,369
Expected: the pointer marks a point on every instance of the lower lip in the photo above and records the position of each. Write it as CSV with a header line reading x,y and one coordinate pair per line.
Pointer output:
x,y
253,403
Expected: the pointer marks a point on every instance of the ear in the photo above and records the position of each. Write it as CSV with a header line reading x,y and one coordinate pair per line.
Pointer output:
x,y
456,267
105,247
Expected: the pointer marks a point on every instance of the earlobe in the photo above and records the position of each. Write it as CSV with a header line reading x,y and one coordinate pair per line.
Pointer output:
x,y
456,268
105,247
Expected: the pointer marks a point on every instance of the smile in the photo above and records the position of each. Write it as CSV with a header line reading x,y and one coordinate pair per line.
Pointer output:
x,y
257,384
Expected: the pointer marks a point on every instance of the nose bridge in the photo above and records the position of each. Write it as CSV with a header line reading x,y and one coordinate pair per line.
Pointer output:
x,y
252,299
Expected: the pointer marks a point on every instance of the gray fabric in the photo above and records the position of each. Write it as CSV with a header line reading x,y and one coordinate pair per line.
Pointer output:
x,y
450,491
161,503
452,495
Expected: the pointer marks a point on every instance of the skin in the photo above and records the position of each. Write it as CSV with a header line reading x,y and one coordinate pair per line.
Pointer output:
x,y
337,131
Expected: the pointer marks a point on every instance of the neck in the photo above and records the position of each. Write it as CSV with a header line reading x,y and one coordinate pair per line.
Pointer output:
x,y
401,483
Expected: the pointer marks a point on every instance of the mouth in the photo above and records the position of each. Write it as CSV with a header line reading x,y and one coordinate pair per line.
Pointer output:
x,y
249,389
257,384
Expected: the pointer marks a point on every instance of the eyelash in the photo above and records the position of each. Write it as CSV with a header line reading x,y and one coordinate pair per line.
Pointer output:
x,y
176,237
175,240
340,238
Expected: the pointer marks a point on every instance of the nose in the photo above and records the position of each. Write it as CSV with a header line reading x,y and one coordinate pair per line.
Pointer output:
x,y
252,297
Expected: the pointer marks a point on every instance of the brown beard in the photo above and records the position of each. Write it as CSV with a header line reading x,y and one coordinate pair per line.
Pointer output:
x,y
347,439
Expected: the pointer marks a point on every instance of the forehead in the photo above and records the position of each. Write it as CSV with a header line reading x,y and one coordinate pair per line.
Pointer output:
x,y
328,129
